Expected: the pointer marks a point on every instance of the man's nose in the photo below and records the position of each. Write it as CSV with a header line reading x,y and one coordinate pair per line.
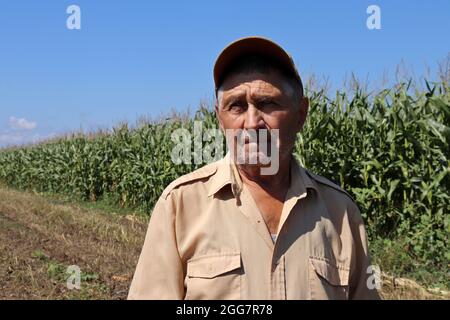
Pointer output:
x,y
253,118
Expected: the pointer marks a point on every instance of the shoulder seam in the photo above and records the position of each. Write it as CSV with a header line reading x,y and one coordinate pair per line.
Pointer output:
x,y
329,183
195,175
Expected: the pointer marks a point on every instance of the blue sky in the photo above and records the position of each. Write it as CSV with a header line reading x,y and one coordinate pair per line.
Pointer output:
x,y
134,58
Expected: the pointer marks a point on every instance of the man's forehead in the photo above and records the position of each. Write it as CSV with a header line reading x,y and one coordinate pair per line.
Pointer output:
x,y
252,85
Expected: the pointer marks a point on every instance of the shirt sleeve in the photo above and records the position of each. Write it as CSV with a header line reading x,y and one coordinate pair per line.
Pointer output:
x,y
362,277
159,272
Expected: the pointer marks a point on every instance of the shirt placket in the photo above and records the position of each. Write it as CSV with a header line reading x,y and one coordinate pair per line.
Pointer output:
x,y
277,279
251,211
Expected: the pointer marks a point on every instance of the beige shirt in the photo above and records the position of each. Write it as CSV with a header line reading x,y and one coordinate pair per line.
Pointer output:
x,y
207,240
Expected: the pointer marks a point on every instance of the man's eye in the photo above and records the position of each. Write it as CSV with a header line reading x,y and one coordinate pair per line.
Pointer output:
x,y
236,108
268,103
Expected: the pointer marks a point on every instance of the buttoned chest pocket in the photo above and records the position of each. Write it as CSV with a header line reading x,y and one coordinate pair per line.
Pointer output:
x,y
214,277
328,280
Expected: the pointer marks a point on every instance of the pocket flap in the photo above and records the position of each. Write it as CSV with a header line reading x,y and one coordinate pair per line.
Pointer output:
x,y
335,274
213,265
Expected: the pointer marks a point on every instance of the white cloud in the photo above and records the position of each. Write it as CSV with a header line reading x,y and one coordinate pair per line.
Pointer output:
x,y
21,123
20,132
9,138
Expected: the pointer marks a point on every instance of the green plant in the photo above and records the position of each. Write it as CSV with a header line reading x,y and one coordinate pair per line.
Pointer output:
x,y
390,150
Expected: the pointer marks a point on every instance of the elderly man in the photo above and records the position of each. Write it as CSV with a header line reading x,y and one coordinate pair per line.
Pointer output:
x,y
228,231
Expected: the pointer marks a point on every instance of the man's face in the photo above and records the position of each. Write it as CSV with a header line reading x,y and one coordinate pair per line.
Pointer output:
x,y
262,101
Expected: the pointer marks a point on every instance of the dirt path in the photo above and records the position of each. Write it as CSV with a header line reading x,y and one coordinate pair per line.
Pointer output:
x,y
40,238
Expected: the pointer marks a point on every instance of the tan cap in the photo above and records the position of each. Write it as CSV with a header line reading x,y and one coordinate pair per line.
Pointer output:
x,y
257,46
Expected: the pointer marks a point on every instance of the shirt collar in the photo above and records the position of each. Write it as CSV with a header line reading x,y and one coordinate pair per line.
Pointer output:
x,y
300,181
227,174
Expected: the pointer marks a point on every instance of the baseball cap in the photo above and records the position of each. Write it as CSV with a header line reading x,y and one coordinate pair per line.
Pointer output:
x,y
253,46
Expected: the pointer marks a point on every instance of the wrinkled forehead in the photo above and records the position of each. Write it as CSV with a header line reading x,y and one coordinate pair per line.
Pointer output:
x,y
254,84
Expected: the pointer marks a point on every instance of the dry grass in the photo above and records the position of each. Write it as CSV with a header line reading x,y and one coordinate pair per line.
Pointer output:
x,y
40,238
407,289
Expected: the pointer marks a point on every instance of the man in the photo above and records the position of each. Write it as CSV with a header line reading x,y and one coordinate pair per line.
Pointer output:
x,y
228,231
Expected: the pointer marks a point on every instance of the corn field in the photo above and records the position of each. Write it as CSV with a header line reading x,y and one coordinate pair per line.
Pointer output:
x,y
390,150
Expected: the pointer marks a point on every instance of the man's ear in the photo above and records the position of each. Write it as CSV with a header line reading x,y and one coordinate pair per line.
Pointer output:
x,y
303,110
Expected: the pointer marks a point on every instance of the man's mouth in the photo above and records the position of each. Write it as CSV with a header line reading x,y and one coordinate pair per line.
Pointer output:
x,y
247,139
